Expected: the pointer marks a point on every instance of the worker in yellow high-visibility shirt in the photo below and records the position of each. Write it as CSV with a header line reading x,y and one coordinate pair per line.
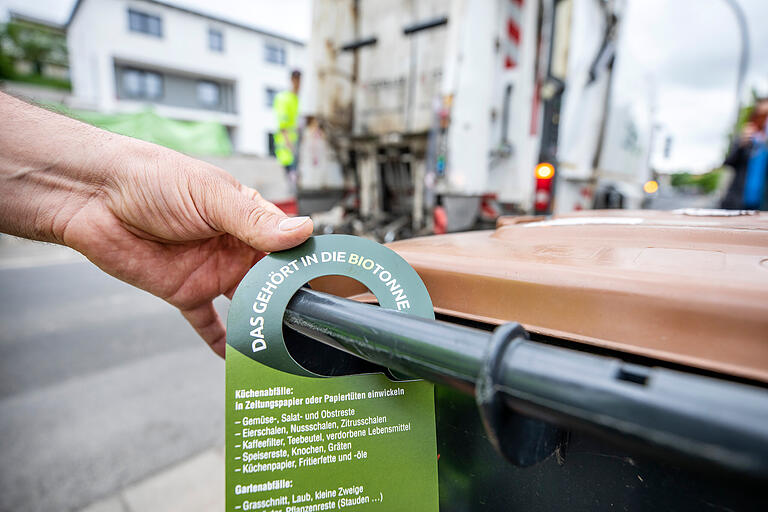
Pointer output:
x,y
286,107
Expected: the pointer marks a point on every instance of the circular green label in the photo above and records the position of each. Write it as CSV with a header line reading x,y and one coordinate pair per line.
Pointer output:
x,y
255,320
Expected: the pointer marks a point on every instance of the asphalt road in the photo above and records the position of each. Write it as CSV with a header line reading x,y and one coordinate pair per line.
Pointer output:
x,y
101,385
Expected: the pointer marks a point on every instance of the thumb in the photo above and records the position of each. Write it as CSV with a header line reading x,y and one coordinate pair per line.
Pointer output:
x,y
243,213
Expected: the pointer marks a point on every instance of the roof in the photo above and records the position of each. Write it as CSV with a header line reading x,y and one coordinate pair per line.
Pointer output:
x,y
683,287
52,25
217,19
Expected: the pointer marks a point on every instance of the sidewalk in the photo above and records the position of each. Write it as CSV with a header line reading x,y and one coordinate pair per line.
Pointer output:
x,y
196,484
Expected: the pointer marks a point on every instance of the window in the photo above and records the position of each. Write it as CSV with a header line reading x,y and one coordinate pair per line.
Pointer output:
x,y
215,40
270,96
274,53
141,84
208,94
145,23
153,85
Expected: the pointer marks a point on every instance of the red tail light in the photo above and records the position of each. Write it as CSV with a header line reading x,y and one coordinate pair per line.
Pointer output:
x,y
544,173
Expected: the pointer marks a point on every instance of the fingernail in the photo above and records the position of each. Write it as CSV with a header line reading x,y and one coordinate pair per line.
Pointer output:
x,y
292,223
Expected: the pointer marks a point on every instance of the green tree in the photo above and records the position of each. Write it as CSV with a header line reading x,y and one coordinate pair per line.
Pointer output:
x,y
6,61
705,183
22,41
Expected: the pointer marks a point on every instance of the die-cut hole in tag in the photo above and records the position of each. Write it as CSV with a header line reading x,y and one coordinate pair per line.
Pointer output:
x,y
323,359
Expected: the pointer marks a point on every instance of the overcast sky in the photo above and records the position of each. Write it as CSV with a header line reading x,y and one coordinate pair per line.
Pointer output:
x,y
289,17
677,56
681,56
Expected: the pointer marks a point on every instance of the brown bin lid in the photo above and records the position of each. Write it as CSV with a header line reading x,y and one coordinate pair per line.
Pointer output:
x,y
688,287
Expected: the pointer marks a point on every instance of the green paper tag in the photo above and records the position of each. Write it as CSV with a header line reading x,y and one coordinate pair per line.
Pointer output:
x,y
300,442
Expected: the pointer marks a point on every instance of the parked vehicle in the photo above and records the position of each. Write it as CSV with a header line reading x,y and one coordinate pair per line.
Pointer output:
x,y
441,110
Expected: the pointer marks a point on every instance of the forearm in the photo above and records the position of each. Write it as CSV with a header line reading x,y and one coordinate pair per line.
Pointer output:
x,y
50,167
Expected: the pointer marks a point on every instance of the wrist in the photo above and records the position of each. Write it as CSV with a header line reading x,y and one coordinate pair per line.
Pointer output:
x,y
50,167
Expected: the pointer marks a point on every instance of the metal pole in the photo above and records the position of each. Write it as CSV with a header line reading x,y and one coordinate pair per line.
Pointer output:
x,y
438,351
741,21
702,419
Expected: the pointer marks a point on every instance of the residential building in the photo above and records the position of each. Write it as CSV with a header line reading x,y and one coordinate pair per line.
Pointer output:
x,y
188,65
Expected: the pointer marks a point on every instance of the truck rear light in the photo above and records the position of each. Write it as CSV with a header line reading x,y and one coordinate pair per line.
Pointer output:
x,y
544,173
651,187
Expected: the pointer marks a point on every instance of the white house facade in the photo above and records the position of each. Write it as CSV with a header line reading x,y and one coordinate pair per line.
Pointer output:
x,y
126,54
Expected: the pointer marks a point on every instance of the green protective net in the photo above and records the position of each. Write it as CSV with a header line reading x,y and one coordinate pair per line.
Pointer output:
x,y
191,137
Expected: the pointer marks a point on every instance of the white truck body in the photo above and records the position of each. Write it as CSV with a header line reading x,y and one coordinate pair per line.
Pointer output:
x,y
370,91
445,96
492,140
600,144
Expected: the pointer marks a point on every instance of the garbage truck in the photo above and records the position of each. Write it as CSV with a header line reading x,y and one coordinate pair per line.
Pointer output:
x,y
440,111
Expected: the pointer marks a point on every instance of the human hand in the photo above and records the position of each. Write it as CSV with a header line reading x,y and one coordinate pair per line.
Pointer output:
x,y
174,226
182,230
